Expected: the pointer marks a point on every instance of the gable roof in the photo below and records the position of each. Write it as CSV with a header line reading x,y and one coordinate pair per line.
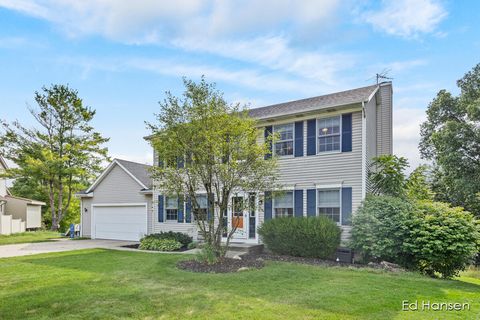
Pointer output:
x,y
137,171
336,99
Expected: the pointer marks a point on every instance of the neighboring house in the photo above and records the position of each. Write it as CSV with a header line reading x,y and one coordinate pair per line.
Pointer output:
x,y
325,147
17,214
118,205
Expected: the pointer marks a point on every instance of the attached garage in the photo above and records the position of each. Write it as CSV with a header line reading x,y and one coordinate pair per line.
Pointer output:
x,y
118,205
119,222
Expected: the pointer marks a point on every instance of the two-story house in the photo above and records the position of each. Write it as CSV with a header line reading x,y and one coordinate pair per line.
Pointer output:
x,y
324,147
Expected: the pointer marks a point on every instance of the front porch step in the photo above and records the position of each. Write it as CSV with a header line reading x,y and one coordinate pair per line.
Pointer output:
x,y
253,248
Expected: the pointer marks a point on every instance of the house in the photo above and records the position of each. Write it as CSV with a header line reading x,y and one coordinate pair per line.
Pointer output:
x,y
17,214
118,205
325,148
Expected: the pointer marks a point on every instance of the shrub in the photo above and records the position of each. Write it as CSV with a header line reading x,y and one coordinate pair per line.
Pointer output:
x,y
428,236
192,245
159,244
379,228
442,239
207,255
183,238
317,237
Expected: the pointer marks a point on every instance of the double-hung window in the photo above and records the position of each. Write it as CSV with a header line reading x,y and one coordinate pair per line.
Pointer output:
x,y
171,208
283,205
329,204
329,134
202,202
284,139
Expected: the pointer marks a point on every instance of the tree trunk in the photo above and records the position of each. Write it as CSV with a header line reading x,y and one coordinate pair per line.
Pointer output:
x,y
60,202
51,195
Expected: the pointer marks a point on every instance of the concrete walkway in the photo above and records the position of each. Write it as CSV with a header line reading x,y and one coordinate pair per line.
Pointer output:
x,y
25,249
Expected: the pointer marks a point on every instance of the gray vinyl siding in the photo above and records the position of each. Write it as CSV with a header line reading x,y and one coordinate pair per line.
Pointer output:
x,y
384,120
116,187
188,228
86,217
327,169
338,168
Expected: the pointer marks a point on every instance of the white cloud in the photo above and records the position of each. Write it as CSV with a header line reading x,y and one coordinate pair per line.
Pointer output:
x,y
245,31
156,21
407,18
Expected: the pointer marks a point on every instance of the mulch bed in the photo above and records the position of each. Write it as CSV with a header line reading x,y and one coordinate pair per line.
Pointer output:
x,y
135,246
225,265
321,262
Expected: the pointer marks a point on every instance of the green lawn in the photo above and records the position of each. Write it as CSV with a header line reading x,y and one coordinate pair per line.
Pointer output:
x,y
33,236
102,284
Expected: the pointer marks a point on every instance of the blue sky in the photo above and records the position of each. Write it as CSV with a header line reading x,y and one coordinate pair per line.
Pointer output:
x,y
123,55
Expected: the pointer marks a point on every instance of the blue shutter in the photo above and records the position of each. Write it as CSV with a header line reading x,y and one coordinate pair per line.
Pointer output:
x,y
268,205
267,133
311,137
347,206
298,203
188,210
180,208
311,202
299,139
160,208
346,132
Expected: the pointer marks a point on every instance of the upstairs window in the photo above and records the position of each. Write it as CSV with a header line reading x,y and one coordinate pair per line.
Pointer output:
x,y
283,205
329,134
329,204
171,208
284,139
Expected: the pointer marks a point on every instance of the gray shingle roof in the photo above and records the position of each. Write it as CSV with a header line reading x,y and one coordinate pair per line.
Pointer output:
x,y
357,95
139,170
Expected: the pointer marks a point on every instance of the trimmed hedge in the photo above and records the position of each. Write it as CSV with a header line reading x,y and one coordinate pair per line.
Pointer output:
x,y
183,238
317,237
159,244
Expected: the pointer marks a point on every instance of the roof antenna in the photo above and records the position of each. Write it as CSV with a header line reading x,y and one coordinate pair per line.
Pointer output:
x,y
383,75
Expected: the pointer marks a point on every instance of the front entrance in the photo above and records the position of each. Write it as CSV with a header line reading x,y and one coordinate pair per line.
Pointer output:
x,y
242,216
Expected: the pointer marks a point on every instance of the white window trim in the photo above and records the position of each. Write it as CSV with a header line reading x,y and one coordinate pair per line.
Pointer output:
x,y
274,214
317,135
274,150
327,188
165,210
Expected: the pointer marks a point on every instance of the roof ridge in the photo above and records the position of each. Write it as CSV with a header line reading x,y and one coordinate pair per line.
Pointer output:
x,y
316,97
142,164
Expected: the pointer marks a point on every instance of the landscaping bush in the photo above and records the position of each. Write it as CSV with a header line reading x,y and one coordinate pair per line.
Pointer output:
x,y
317,237
442,239
183,238
380,227
428,236
159,244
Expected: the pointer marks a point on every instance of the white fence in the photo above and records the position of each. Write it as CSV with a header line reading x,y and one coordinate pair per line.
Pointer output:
x,y
9,225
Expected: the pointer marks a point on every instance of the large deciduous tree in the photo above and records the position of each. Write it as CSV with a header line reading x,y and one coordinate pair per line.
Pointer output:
x,y
209,146
451,139
61,152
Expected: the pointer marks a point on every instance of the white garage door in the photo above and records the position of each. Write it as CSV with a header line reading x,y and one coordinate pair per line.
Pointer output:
x,y
120,222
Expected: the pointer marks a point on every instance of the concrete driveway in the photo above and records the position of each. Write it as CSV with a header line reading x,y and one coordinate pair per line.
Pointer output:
x,y
25,249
